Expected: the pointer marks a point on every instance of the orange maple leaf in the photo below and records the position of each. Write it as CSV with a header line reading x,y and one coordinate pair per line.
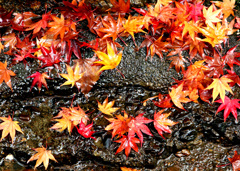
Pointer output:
x,y
1,47
110,60
59,26
9,126
226,6
178,96
42,156
220,85
63,123
161,123
111,27
5,74
107,108
119,125
128,169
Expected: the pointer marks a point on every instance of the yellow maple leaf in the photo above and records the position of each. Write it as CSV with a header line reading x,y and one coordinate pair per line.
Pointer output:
x,y
107,108
211,16
110,60
42,156
214,35
72,76
63,123
220,85
9,126
226,6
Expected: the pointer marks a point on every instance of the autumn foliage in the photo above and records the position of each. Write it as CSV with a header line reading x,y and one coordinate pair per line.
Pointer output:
x,y
171,27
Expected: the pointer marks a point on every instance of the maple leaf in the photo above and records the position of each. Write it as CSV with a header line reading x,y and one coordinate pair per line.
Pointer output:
x,y
77,115
72,76
50,57
226,6
154,46
119,125
42,156
211,16
133,25
111,27
234,77
219,86
107,108
178,62
120,6
235,161
163,101
85,130
230,57
161,123
228,106
39,79
90,76
59,26
5,74
137,125
190,28
63,123
41,24
127,142
178,96
10,41
214,35
195,11
110,60
9,127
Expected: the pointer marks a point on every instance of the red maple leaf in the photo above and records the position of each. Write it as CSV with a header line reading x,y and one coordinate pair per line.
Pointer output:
x,y
85,131
230,57
128,142
50,57
39,79
235,161
228,106
137,125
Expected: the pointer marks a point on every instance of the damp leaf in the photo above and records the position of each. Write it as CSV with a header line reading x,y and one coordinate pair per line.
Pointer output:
x,y
235,161
161,123
219,86
9,127
42,156
85,130
107,108
72,76
5,74
128,142
137,125
39,79
178,96
110,60
228,106
120,6
119,125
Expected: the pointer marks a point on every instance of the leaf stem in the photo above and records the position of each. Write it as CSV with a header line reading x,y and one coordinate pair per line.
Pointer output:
x,y
120,73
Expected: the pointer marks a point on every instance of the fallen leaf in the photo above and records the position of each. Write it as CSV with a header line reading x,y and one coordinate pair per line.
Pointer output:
x,y
219,86
5,74
107,108
9,126
39,79
42,156
235,161
161,123
228,106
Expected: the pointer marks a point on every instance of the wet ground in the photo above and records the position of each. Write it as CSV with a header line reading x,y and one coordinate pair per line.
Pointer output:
x,y
200,141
